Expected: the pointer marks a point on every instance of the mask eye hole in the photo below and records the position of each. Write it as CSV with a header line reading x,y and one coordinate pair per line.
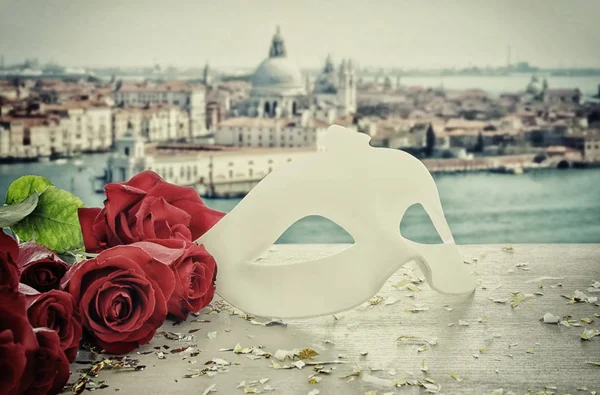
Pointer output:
x,y
417,226
315,229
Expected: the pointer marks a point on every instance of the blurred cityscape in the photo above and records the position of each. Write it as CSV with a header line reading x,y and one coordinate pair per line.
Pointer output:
x,y
222,130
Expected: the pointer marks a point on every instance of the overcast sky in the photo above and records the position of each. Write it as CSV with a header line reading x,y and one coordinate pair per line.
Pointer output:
x,y
228,33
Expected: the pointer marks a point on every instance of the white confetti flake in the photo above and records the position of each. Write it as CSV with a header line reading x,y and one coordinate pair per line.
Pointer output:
x,y
210,388
390,300
367,378
314,392
463,323
588,334
549,318
212,335
299,364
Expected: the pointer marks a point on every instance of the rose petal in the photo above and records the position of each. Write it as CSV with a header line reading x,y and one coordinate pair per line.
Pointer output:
x,y
9,245
93,230
145,180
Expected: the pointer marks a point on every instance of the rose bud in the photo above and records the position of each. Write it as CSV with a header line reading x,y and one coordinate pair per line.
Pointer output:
x,y
48,364
195,272
16,341
146,207
40,268
55,310
9,271
121,296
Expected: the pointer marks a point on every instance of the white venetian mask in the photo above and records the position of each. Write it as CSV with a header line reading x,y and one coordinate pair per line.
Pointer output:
x,y
366,191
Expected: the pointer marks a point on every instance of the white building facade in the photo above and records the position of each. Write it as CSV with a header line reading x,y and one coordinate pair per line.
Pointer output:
x,y
213,171
190,98
269,133
154,124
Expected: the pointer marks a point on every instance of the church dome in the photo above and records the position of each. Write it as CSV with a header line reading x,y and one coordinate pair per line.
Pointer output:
x,y
277,75
326,82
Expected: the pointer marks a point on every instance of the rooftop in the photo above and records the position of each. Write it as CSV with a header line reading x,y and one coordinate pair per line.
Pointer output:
x,y
172,86
186,151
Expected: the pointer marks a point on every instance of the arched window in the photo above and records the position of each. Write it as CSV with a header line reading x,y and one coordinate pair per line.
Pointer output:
x,y
267,109
274,108
294,108
126,151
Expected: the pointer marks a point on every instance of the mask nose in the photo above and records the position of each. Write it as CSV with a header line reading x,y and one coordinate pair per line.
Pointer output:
x,y
443,268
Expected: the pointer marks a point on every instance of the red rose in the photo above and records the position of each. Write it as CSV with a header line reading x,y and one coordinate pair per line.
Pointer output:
x,y
17,340
9,251
121,295
146,207
48,364
40,268
55,310
195,272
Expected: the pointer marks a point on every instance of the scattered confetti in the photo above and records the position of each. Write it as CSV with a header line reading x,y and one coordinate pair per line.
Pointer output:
x,y
313,379
269,323
519,298
588,334
375,300
210,388
299,364
580,297
455,376
549,318
390,300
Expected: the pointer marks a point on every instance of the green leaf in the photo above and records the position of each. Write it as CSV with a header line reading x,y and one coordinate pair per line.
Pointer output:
x,y
54,222
10,215
21,188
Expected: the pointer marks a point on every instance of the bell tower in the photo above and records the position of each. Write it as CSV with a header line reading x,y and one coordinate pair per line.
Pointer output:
x,y
129,158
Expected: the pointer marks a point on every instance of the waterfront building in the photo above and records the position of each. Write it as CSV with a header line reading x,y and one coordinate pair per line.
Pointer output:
x,y
214,171
270,132
155,123
58,129
188,97
591,152
84,126
562,96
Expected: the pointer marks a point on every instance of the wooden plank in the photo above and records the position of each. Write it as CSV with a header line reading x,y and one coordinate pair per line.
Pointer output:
x,y
521,353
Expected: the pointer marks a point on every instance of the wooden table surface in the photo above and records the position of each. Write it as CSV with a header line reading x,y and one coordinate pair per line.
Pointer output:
x,y
486,345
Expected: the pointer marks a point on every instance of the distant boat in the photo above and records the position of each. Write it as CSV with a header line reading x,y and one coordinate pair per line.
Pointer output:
x,y
61,161
517,170
78,162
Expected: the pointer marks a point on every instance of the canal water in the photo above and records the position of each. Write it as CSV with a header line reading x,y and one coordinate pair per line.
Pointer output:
x,y
547,206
